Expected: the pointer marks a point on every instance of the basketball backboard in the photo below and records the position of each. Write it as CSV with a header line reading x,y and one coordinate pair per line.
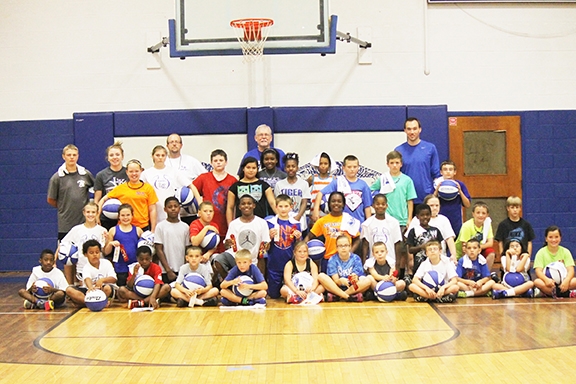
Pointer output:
x,y
202,27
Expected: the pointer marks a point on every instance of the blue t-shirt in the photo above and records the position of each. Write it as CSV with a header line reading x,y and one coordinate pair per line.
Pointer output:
x,y
253,272
452,209
282,246
345,268
359,197
477,272
420,162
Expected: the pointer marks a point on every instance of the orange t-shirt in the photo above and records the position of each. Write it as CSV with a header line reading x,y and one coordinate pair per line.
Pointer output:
x,y
329,226
140,199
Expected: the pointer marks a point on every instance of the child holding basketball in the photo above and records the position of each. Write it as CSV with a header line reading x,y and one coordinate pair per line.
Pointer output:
x,y
479,227
473,275
170,240
284,232
551,252
55,294
200,227
90,229
452,208
358,198
447,284
296,188
248,232
244,267
380,270
203,296
300,265
345,278
335,224
97,274
123,239
144,266
515,262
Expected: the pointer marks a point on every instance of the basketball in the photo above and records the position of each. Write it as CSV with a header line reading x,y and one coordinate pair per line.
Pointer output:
x,y
186,197
243,292
448,190
302,280
40,284
144,285
68,253
513,279
110,208
316,249
95,300
385,291
210,241
431,280
193,281
147,239
324,204
556,271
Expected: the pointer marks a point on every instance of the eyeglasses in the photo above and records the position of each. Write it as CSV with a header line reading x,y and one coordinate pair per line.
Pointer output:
x,y
342,245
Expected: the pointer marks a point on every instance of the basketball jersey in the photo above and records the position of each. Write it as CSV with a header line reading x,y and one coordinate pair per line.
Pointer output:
x,y
295,267
129,240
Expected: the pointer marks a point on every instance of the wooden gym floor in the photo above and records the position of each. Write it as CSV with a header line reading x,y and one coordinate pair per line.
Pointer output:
x,y
476,340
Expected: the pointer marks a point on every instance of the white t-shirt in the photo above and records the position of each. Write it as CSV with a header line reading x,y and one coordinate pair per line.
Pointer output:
x,y
248,235
445,269
165,182
79,235
386,231
174,238
203,269
297,191
442,223
106,269
55,275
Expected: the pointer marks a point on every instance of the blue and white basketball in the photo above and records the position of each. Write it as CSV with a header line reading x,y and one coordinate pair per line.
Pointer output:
x,y
110,208
144,285
147,239
431,280
193,281
210,241
95,300
303,280
385,291
556,271
513,279
324,204
68,253
186,197
316,249
40,284
448,190
243,292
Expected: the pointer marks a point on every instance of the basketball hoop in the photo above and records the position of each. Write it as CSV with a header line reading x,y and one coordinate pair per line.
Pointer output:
x,y
252,34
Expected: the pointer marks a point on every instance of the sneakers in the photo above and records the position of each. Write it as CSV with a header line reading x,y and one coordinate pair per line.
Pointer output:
x,y
356,298
462,294
573,293
29,305
495,277
369,296
538,293
560,294
401,296
449,298
420,299
489,294
181,303
211,302
135,304
529,293
498,294
294,299
261,301
46,305
330,297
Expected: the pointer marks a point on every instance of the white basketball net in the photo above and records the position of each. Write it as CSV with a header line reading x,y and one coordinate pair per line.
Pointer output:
x,y
252,34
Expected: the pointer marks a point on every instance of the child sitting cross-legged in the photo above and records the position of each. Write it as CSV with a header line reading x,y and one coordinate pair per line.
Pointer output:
x,y
473,275
244,267
202,296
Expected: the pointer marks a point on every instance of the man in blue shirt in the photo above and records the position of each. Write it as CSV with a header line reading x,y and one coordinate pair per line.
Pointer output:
x,y
419,160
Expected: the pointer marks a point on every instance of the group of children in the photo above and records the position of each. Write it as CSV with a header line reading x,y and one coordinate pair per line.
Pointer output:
x,y
368,239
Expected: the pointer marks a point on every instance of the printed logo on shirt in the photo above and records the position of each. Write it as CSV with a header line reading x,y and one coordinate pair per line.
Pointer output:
x,y
254,190
354,200
81,183
161,182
